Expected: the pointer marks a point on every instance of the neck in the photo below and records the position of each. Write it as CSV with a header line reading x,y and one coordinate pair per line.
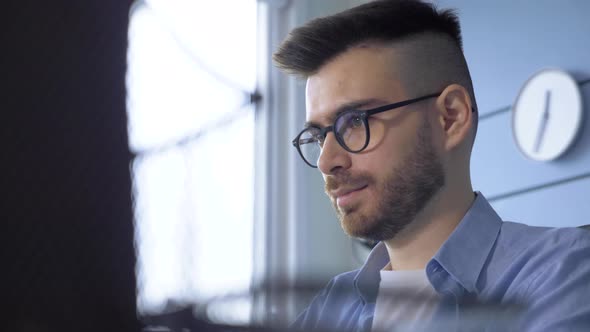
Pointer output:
x,y
413,247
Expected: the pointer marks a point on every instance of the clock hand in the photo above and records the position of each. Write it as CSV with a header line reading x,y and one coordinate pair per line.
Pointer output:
x,y
544,120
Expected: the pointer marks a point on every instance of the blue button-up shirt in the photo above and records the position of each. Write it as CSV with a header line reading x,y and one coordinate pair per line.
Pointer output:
x,y
543,272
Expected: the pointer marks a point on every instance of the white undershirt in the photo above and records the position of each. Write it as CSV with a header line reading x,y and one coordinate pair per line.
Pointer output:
x,y
405,300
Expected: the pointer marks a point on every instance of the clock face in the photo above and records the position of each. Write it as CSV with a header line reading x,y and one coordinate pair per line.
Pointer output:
x,y
547,115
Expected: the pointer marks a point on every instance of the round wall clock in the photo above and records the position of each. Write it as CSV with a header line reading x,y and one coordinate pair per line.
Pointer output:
x,y
547,115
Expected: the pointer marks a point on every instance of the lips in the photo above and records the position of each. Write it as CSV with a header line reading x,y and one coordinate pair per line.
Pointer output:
x,y
346,189
340,192
346,196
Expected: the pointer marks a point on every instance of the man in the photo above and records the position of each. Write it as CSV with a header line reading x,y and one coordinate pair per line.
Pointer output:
x,y
391,121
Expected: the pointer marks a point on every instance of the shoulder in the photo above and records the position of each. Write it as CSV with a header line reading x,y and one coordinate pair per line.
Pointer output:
x,y
524,253
557,265
520,236
540,257
563,254
541,267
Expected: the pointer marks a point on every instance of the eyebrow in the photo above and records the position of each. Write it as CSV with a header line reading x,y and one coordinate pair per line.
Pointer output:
x,y
354,105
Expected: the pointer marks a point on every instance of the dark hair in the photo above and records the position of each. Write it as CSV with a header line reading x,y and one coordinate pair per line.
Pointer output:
x,y
309,47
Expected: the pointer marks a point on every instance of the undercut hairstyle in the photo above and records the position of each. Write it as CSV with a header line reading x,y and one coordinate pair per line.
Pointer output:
x,y
309,47
429,42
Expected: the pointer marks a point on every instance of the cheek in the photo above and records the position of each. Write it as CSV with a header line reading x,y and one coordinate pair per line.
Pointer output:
x,y
391,134
377,164
438,141
376,135
386,150
384,138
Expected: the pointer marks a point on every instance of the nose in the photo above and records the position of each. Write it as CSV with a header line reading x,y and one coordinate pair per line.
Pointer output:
x,y
333,156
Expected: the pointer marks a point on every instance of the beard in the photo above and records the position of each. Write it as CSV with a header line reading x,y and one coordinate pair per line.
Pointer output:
x,y
404,193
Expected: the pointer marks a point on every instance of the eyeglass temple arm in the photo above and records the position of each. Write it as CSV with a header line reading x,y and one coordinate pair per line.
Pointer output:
x,y
401,103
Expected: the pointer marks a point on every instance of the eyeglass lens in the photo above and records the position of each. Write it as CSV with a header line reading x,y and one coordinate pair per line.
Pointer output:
x,y
350,130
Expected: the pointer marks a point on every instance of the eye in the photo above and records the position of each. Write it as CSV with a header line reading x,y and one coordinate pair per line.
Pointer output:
x,y
353,120
311,136
356,121
349,122
318,138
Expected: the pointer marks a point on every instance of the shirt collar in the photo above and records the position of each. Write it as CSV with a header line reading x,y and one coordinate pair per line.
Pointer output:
x,y
367,279
465,252
462,255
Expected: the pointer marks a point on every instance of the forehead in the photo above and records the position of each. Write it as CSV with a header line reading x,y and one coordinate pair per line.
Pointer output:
x,y
366,75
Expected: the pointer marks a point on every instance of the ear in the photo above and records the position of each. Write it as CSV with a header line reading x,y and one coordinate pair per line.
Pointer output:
x,y
455,115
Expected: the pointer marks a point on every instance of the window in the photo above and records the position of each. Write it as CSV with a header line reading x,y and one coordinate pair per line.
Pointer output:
x,y
191,71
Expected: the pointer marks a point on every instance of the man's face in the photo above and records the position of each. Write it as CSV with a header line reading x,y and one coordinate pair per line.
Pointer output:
x,y
379,191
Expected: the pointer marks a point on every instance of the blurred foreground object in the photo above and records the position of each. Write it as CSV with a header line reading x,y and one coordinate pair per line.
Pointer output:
x,y
218,314
68,261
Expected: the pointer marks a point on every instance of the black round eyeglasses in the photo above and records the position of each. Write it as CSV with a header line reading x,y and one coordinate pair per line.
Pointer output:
x,y
350,127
